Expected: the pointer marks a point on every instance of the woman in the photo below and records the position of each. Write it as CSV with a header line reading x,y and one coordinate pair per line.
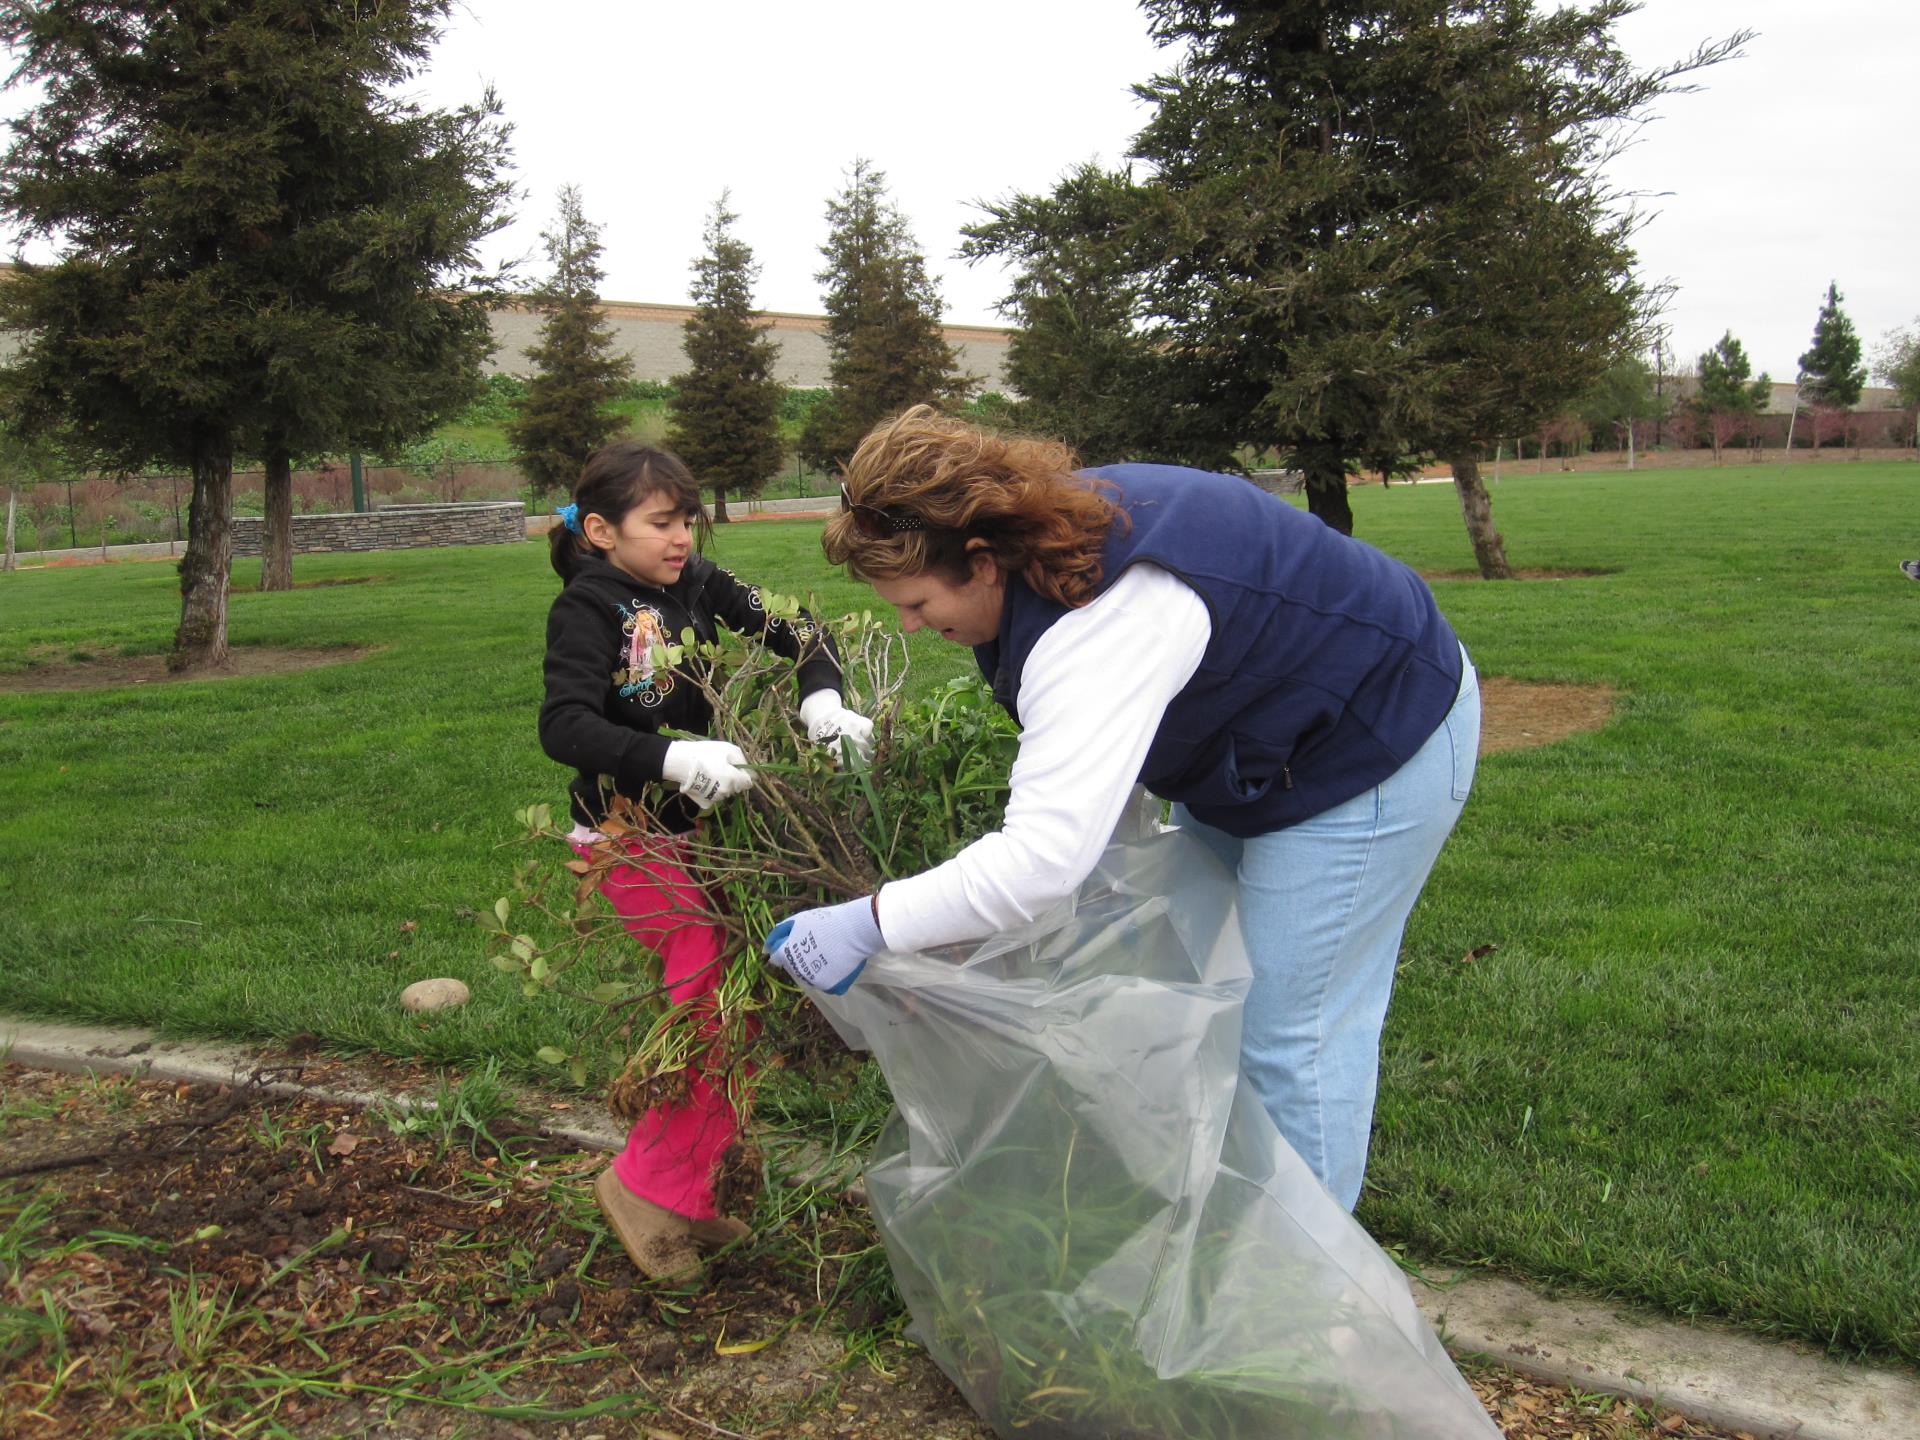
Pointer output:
x,y
1295,693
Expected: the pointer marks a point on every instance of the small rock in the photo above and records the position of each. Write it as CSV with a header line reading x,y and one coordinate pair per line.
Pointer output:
x,y
387,1254
440,994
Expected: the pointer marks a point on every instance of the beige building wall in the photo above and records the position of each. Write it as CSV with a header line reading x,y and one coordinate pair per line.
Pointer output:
x,y
1784,395
651,334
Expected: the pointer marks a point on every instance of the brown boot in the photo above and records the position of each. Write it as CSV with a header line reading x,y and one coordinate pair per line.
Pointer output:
x,y
657,1240
722,1230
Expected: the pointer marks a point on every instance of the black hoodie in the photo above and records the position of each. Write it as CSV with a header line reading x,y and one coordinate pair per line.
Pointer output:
x,y
606,703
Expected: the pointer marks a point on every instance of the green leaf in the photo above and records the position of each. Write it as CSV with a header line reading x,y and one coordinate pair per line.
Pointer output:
x,y
507,965
611,991
550,1055
538,969
577,1068
523,948
500,909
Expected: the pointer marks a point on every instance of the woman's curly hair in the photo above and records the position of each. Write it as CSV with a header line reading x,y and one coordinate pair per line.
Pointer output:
x,y
1022,495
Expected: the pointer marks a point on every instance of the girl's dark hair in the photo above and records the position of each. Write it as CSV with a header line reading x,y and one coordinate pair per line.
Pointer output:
x,y
617,477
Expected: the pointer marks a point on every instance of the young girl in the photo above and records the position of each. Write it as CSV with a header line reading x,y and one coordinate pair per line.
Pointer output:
x,y
634,579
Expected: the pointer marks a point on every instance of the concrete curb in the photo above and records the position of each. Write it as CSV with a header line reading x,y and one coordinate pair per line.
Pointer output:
x,y
1774,1390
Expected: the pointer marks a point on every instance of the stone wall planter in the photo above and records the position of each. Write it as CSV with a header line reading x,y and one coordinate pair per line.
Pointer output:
x,y
394,527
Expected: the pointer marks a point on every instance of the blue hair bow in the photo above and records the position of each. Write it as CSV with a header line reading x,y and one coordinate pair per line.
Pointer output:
x,y
570,517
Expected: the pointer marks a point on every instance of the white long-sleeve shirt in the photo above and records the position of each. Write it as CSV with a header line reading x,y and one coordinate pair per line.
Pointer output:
x,y
1092,695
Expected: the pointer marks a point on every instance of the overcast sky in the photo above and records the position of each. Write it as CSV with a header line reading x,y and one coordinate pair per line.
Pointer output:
x,y
1790,166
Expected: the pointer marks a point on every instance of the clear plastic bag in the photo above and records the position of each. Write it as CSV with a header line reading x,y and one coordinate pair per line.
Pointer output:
x,y
1096,1227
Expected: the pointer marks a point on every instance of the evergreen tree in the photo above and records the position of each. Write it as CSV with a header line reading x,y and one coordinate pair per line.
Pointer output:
x,y
1077,358
221,280
1897,363
377,348
567,412
1726,398
885,346
1373,228
1831,375
726,407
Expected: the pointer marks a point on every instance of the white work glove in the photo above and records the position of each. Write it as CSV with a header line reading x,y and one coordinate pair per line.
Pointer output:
x,y
828,722
706,770
828,947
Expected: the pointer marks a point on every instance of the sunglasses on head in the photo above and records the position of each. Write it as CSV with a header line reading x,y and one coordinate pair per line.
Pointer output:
x,y
877,524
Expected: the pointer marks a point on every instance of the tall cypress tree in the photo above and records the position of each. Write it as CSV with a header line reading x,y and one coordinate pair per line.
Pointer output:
x,y
726,407
1371,227
567,412
1831,375
1077,358
221,280
885,345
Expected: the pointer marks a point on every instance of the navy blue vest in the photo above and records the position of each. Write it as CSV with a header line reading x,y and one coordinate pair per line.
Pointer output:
x,y
1328,667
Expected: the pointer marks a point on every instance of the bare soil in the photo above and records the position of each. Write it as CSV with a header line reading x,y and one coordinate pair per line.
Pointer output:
x,y
186,1260
1520,572
1515,713
101,671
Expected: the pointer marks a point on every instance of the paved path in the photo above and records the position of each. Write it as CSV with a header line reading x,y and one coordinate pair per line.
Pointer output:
x,y
1724,1377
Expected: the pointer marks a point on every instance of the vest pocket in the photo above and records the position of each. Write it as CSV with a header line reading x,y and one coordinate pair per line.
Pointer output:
x,y
1250,778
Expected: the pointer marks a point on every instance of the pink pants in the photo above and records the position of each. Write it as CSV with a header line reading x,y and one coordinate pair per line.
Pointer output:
x,y
672,1152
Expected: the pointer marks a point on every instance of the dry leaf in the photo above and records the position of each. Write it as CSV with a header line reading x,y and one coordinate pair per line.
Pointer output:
x,y
344,1143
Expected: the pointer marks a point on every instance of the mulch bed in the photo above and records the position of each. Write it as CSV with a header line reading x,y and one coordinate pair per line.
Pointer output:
x,y
185,1260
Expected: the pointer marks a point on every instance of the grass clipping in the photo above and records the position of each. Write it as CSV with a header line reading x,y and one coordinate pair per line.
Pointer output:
x,y
816,827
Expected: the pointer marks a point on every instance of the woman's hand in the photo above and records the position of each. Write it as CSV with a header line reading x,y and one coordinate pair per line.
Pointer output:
x,y
707,771
828,947
828,722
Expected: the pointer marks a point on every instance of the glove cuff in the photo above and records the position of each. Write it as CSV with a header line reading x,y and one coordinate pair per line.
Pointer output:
x,y
859,925
818,706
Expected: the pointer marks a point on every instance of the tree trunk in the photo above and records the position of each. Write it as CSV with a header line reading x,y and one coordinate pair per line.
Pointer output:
x,y
201,640
719,506
1326,486
1475,506
9,562
276,544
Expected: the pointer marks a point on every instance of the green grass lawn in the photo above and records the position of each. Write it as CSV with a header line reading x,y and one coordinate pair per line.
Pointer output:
x,y
1689,1074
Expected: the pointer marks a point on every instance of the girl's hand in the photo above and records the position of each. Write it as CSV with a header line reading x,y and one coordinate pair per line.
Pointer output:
x,y
707,771
828,722
828,947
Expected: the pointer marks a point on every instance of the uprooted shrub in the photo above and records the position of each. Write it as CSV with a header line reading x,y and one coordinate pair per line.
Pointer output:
x,y
816,827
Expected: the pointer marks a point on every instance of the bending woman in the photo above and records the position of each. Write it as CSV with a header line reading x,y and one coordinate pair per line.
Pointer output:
x,y
1296,694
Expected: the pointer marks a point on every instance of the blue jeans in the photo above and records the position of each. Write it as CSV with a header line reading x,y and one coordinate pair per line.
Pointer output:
x,y
1322,907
